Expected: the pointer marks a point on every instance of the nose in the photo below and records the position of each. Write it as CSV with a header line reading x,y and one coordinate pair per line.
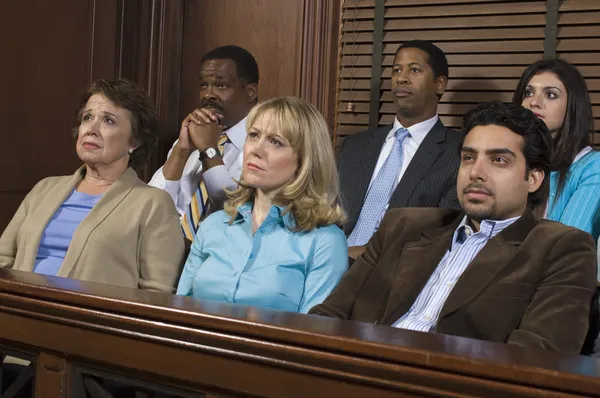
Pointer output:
x,y
536,100
92,127
402,77
258,148
478,171
208,93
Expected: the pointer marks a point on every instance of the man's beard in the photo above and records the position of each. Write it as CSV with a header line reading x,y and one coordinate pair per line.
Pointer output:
x,y
480,211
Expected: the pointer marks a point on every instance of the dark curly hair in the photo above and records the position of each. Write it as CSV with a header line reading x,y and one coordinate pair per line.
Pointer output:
x,y
144,117
537,142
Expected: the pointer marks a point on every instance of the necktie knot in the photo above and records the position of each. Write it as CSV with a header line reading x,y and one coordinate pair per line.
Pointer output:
x,y
402,133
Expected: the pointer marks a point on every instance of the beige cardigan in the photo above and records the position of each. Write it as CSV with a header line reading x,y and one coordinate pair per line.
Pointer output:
x,y
132,236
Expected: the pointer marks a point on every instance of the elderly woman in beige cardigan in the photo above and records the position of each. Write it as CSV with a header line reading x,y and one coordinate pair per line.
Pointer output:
x,y
102,224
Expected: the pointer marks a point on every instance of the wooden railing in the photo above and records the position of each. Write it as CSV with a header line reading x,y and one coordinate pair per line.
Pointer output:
x,y
92,340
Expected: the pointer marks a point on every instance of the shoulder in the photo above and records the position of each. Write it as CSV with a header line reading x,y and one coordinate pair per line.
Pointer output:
x,y
552,231
50,182
587,167
329,233
364,136
419,218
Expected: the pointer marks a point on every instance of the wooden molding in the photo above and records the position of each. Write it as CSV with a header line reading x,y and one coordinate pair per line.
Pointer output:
x,y
319,55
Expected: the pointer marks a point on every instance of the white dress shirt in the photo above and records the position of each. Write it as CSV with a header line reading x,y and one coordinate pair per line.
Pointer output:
x,y
216,178
417,134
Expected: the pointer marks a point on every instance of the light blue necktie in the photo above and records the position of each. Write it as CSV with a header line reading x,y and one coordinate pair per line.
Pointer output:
x,y
379,194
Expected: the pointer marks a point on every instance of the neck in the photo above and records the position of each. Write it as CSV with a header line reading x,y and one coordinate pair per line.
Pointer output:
x,y
262,204
410,120
103,176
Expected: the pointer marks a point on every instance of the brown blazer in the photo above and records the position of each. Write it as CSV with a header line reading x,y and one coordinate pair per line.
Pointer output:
x,y
132,236
531,285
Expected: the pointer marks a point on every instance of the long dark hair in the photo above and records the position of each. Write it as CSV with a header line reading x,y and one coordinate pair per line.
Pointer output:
x,y
574,135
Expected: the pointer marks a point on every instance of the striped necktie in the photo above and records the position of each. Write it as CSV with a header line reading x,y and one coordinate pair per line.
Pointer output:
x,y
197,207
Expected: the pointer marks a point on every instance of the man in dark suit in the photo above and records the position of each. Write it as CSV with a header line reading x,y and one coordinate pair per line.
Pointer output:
x,y
410,164
490,271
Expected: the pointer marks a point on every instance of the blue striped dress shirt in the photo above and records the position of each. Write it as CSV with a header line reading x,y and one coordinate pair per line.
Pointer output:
x,y
466,244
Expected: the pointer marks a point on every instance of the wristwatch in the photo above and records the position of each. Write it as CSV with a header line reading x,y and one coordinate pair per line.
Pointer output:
x,y
209,153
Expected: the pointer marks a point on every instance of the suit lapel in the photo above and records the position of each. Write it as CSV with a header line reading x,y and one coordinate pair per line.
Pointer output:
x,y
495,255
110,199
420,165
365,167
416,263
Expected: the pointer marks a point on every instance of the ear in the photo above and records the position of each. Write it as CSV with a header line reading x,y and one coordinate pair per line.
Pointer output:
x,y
442,83
535,179
252,92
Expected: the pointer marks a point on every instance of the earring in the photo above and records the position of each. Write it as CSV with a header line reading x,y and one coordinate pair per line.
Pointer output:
x,y
130,151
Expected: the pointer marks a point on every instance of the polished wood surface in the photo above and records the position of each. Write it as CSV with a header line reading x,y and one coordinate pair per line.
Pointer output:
x,y
200,345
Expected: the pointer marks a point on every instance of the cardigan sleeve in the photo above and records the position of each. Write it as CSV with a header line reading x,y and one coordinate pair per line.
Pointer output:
x,y
582,209
162,246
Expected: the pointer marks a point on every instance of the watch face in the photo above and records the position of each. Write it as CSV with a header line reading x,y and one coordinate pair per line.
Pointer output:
x,y
211,152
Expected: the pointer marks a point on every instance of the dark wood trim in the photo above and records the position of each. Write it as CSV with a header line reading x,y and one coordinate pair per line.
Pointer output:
x,y
320,55
551,29
377,60
198,345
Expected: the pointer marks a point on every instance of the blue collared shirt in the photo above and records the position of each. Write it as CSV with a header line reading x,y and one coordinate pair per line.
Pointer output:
x,y
466,244
275,268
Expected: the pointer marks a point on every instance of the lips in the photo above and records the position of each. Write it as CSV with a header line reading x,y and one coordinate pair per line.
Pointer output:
x,y
90,145
477,191
538,115
402,93
253,166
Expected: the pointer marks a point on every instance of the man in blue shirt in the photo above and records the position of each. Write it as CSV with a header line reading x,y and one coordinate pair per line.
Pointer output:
x,y
491,271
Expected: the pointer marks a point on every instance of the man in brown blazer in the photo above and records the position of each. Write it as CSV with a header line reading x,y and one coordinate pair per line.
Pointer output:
x,y
491,271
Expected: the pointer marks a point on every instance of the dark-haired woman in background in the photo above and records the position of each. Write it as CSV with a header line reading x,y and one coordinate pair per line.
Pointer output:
x,y
101,224
557,93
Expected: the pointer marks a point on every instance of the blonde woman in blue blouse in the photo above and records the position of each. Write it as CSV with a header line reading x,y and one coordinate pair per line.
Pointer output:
x,y
557,93
277,244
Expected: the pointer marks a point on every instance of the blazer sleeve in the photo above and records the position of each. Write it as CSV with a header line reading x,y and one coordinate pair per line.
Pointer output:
x,y
161,247
8,240
340,303
562,297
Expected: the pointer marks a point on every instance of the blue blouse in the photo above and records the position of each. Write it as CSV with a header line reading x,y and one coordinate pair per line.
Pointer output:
x,y
579,203
275,268
57,236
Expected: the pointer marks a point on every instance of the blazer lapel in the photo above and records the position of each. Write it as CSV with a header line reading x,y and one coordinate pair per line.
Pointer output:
x,y
110,199
495,255
53,199
366,166
420,165
416,263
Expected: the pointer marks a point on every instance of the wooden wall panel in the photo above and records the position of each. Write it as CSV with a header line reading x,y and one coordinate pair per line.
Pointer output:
x,y
47,60
270,29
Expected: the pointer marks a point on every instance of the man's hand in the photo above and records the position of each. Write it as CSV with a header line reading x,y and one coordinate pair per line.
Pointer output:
x,y
199,130
355,251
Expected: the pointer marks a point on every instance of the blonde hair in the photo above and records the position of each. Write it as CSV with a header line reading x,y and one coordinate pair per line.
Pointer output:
x,y
312,197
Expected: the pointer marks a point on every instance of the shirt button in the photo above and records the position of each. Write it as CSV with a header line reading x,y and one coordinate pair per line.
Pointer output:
x,y
427,317
449,283
251,255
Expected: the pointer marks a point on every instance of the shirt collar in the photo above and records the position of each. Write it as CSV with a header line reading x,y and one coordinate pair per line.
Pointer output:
x,y
276,216
237,134
488,228
418,131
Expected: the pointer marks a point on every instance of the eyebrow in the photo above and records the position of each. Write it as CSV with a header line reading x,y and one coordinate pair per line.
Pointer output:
x,y
104,112
493,151
547,87
410,64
